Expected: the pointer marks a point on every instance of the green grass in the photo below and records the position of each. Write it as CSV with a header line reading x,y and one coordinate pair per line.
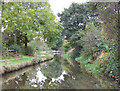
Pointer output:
x,y
10,57
46,55
88,66
7,66
95,69
67,55
22,62
16,61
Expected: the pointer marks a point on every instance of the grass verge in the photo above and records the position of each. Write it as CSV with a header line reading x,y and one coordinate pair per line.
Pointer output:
x,y
96,69
67,55
12,65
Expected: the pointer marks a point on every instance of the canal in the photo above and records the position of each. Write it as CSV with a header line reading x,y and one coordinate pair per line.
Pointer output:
x,y
55,74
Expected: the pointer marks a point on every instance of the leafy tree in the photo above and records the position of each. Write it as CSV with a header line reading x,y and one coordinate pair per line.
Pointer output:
x,y
0,33
108,16
29,20
58,38
73,19
94,41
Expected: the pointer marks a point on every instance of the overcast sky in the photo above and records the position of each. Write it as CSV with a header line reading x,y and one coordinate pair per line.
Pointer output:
x,y
59,5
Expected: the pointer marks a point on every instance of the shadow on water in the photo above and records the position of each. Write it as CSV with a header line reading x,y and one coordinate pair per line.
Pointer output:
x,y
55,74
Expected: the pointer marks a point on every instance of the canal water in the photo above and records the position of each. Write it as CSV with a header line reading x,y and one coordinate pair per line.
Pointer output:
x,y
55,74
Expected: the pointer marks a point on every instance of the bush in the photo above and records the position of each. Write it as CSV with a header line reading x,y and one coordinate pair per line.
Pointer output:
x,y
29,51
17,48
112,64
4,50
93,42
66,45
38,45
34,45
107,65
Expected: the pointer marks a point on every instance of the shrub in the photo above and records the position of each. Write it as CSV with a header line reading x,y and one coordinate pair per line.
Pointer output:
x,y
66,45
29,51
17,48
92,43
4,50
112,65
34,45
38,45
109,64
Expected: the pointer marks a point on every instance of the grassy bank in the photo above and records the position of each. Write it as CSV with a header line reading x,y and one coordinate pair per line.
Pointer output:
x,y
67,56
10,57
94,68
12,65
13,75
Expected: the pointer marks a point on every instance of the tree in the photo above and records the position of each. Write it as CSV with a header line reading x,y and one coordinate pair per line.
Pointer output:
x,y
109,17
73,19
0,33
31,19
58,38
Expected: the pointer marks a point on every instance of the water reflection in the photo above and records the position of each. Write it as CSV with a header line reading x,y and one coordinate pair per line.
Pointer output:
x,y
15,83
52,70
52,75
40,76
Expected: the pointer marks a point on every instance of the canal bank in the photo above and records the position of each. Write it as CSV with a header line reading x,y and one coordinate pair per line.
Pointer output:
x,y
17,64
54,74
104,80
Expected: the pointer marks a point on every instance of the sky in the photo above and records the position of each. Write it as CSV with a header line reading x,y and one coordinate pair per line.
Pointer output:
x,y
58,6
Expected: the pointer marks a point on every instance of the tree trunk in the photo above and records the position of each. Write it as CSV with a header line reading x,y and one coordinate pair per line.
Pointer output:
x,y
25,44
26,41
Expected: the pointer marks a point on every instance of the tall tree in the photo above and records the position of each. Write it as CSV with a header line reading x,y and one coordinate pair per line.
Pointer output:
x,y
32,19
109,16
74,20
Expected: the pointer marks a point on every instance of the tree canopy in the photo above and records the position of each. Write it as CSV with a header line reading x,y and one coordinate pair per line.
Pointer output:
x,y
27,20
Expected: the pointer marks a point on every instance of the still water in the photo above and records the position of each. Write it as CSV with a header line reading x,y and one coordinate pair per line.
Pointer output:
x,y
55,74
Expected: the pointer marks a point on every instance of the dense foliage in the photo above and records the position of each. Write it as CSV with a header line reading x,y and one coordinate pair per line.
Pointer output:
x,y
26,21
91,29
88,33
